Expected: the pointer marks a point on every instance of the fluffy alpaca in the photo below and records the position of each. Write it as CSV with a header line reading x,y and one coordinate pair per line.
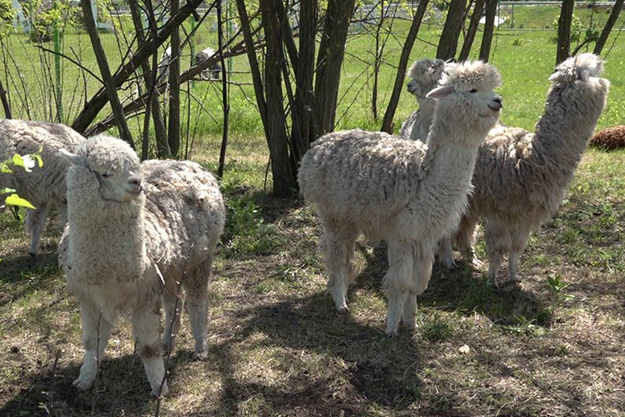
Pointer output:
x,y
214,70
135,231
521,177
408,193
43,187
610,138
424,76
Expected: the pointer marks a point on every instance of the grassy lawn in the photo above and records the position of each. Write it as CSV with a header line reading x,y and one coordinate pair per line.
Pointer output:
x,y
278,348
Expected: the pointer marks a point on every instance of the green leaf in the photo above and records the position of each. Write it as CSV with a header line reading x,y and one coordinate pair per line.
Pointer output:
x,y
16,200
6,190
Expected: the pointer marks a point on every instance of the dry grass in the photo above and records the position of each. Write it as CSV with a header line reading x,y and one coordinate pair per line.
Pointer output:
x,y
278,348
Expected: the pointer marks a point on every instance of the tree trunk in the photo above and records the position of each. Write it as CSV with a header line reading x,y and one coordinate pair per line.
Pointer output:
x,y
99,100
284,182
376,65
564,30
173,128
448,43
149,78
329,62
387,123
302,132
605,33
224,92
5,102
109,84
489,29
473,26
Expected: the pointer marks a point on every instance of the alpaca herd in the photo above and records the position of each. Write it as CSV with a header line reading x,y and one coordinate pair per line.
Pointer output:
x,y
141,234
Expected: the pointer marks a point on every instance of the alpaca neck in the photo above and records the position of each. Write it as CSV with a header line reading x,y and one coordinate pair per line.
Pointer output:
x,y
563,131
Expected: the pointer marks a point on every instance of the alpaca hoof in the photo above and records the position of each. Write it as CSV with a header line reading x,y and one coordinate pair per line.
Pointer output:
x,y
391,333
81,385
342,309
448,263
200,356
492,282
515,279
32,254
163,391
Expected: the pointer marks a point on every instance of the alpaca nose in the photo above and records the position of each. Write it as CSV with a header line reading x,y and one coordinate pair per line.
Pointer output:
x,y
499,102
135,183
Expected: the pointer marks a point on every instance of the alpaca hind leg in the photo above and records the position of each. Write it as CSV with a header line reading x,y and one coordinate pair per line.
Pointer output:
x,y
96,331
196,285
497,244
465,237
35,222
409,315
146,327
173,301
446,253
519,237
396,301
336,243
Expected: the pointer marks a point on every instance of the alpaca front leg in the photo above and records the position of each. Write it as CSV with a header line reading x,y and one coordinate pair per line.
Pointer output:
x,y
35,222
96,331
519,238
409,315
146,326
396,301
173,301
465,240
497,237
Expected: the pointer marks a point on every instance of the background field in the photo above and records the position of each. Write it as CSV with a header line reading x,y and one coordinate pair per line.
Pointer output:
x,y
278,348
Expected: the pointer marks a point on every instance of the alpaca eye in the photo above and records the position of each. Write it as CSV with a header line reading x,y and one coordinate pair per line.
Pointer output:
x,y
474,90
106,174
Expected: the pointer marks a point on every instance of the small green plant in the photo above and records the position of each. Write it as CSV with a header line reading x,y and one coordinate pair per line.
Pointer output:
x,y
26,162
557,289
246,231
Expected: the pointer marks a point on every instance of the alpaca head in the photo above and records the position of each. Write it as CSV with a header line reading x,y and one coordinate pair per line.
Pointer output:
x,y
424,76
581,67
108,164
466,95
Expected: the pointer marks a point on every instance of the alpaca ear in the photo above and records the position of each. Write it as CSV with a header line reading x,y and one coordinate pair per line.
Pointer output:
x,y
72,158
441,92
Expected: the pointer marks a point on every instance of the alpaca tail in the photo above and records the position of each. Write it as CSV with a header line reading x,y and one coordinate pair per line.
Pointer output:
x,y
580,67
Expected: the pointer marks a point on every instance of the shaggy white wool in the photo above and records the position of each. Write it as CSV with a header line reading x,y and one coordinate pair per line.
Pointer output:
x,y
43,187
135,231
407,193
521,177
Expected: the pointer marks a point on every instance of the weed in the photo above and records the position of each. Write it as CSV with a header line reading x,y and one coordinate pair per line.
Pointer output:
x,y
556,288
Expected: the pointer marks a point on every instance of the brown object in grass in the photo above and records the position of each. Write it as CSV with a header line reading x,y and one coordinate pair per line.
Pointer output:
x,y
609,139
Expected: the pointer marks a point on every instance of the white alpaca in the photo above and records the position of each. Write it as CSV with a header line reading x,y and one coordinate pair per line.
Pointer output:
x,y
43,187
135,230
214,70
424,76
521,177
408,193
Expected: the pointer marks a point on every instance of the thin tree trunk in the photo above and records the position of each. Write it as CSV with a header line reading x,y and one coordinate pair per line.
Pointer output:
x,y
254,67
99,100
473,25
605,33
489,29
329,62
564,30
224,92
109,84
5,102
149,77
173,124
302,133
398,87
284,182
448,43
376,66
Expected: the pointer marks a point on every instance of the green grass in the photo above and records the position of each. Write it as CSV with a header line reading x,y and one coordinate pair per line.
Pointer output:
x,y
277,346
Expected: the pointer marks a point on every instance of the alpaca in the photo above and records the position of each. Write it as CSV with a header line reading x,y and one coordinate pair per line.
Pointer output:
x,y
610,138
424,76
214,70
43,187
407,193
136,230
521,177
